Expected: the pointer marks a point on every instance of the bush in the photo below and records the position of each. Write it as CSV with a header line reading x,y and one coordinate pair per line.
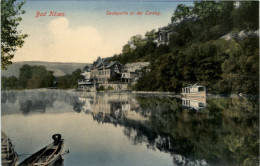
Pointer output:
x,y
101,88
110,88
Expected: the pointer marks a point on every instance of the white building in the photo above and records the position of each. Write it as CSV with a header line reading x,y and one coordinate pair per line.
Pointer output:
x,y
132,71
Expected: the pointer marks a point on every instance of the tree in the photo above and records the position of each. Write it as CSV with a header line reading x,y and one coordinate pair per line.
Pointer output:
x,y
151,35
246,16
181,13
241,69
40,77
137,40
76,75
11,38
197,53
13,82
32,77
25,74
4,83
70,80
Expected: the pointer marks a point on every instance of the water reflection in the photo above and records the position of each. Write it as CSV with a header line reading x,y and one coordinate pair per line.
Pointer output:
x,y
224,133
194,103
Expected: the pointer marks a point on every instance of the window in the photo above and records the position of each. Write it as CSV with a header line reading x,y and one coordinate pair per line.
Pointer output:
x,y
201,89
201,104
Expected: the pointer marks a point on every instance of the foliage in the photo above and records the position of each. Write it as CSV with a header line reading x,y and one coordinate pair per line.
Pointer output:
x,y
241,69
181,13
101,88
24,75
9,83
30,77
151,35
38,77
196,52
70,80
109,88
11,38
245,16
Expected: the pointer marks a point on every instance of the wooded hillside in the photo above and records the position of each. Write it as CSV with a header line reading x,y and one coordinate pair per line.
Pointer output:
x,y
215,44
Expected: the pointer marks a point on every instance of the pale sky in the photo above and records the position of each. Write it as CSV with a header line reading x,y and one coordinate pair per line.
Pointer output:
x,y
86,32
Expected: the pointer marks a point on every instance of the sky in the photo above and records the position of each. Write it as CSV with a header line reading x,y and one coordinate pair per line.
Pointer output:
x,y
86,32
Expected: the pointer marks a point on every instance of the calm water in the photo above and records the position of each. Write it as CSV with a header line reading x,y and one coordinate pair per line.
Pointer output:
x,y
124,129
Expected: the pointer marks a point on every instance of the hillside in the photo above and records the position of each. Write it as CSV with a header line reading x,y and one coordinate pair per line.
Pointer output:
x,y
59,69
215,44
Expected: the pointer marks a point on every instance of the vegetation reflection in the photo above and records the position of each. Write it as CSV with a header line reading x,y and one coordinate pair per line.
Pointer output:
x,y
225,132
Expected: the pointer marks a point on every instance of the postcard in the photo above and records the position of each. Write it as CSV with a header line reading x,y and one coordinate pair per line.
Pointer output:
x,y
158,83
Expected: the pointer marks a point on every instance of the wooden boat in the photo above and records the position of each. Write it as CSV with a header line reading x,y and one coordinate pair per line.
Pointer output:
x,y
194,91
59,162
48,155
9,156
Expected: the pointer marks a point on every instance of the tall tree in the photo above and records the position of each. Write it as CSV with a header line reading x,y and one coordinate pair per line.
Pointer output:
x,y
151,35
11,37
181,13
25,74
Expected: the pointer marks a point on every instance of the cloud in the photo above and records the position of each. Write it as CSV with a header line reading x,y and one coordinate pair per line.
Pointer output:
x,y
83,44
60,43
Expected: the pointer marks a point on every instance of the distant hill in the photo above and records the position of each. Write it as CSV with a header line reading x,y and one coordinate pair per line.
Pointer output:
x,y
59,69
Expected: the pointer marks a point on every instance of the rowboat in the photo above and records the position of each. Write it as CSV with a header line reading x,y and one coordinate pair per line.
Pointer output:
x,y
48,155
9,156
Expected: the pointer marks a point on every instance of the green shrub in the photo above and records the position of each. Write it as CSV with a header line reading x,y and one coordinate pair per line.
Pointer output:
x,y
110,88
101,88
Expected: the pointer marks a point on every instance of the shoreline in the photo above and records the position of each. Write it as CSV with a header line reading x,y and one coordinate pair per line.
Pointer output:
x,y
148,93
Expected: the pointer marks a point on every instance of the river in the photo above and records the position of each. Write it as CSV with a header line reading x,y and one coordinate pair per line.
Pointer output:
x,y
125,129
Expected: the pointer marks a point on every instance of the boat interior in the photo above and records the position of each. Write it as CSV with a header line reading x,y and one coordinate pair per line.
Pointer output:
x,y
45,155
8,155
48,155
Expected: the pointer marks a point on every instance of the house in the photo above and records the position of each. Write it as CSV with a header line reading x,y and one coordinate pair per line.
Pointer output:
x,y
133,67
86,82
194,91
133,71
100,72
164,36
90,73
86,72
98,65
128,77
109,72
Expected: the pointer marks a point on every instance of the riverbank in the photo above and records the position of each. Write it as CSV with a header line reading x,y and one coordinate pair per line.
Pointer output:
x,y
145,93
149,93
167,94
